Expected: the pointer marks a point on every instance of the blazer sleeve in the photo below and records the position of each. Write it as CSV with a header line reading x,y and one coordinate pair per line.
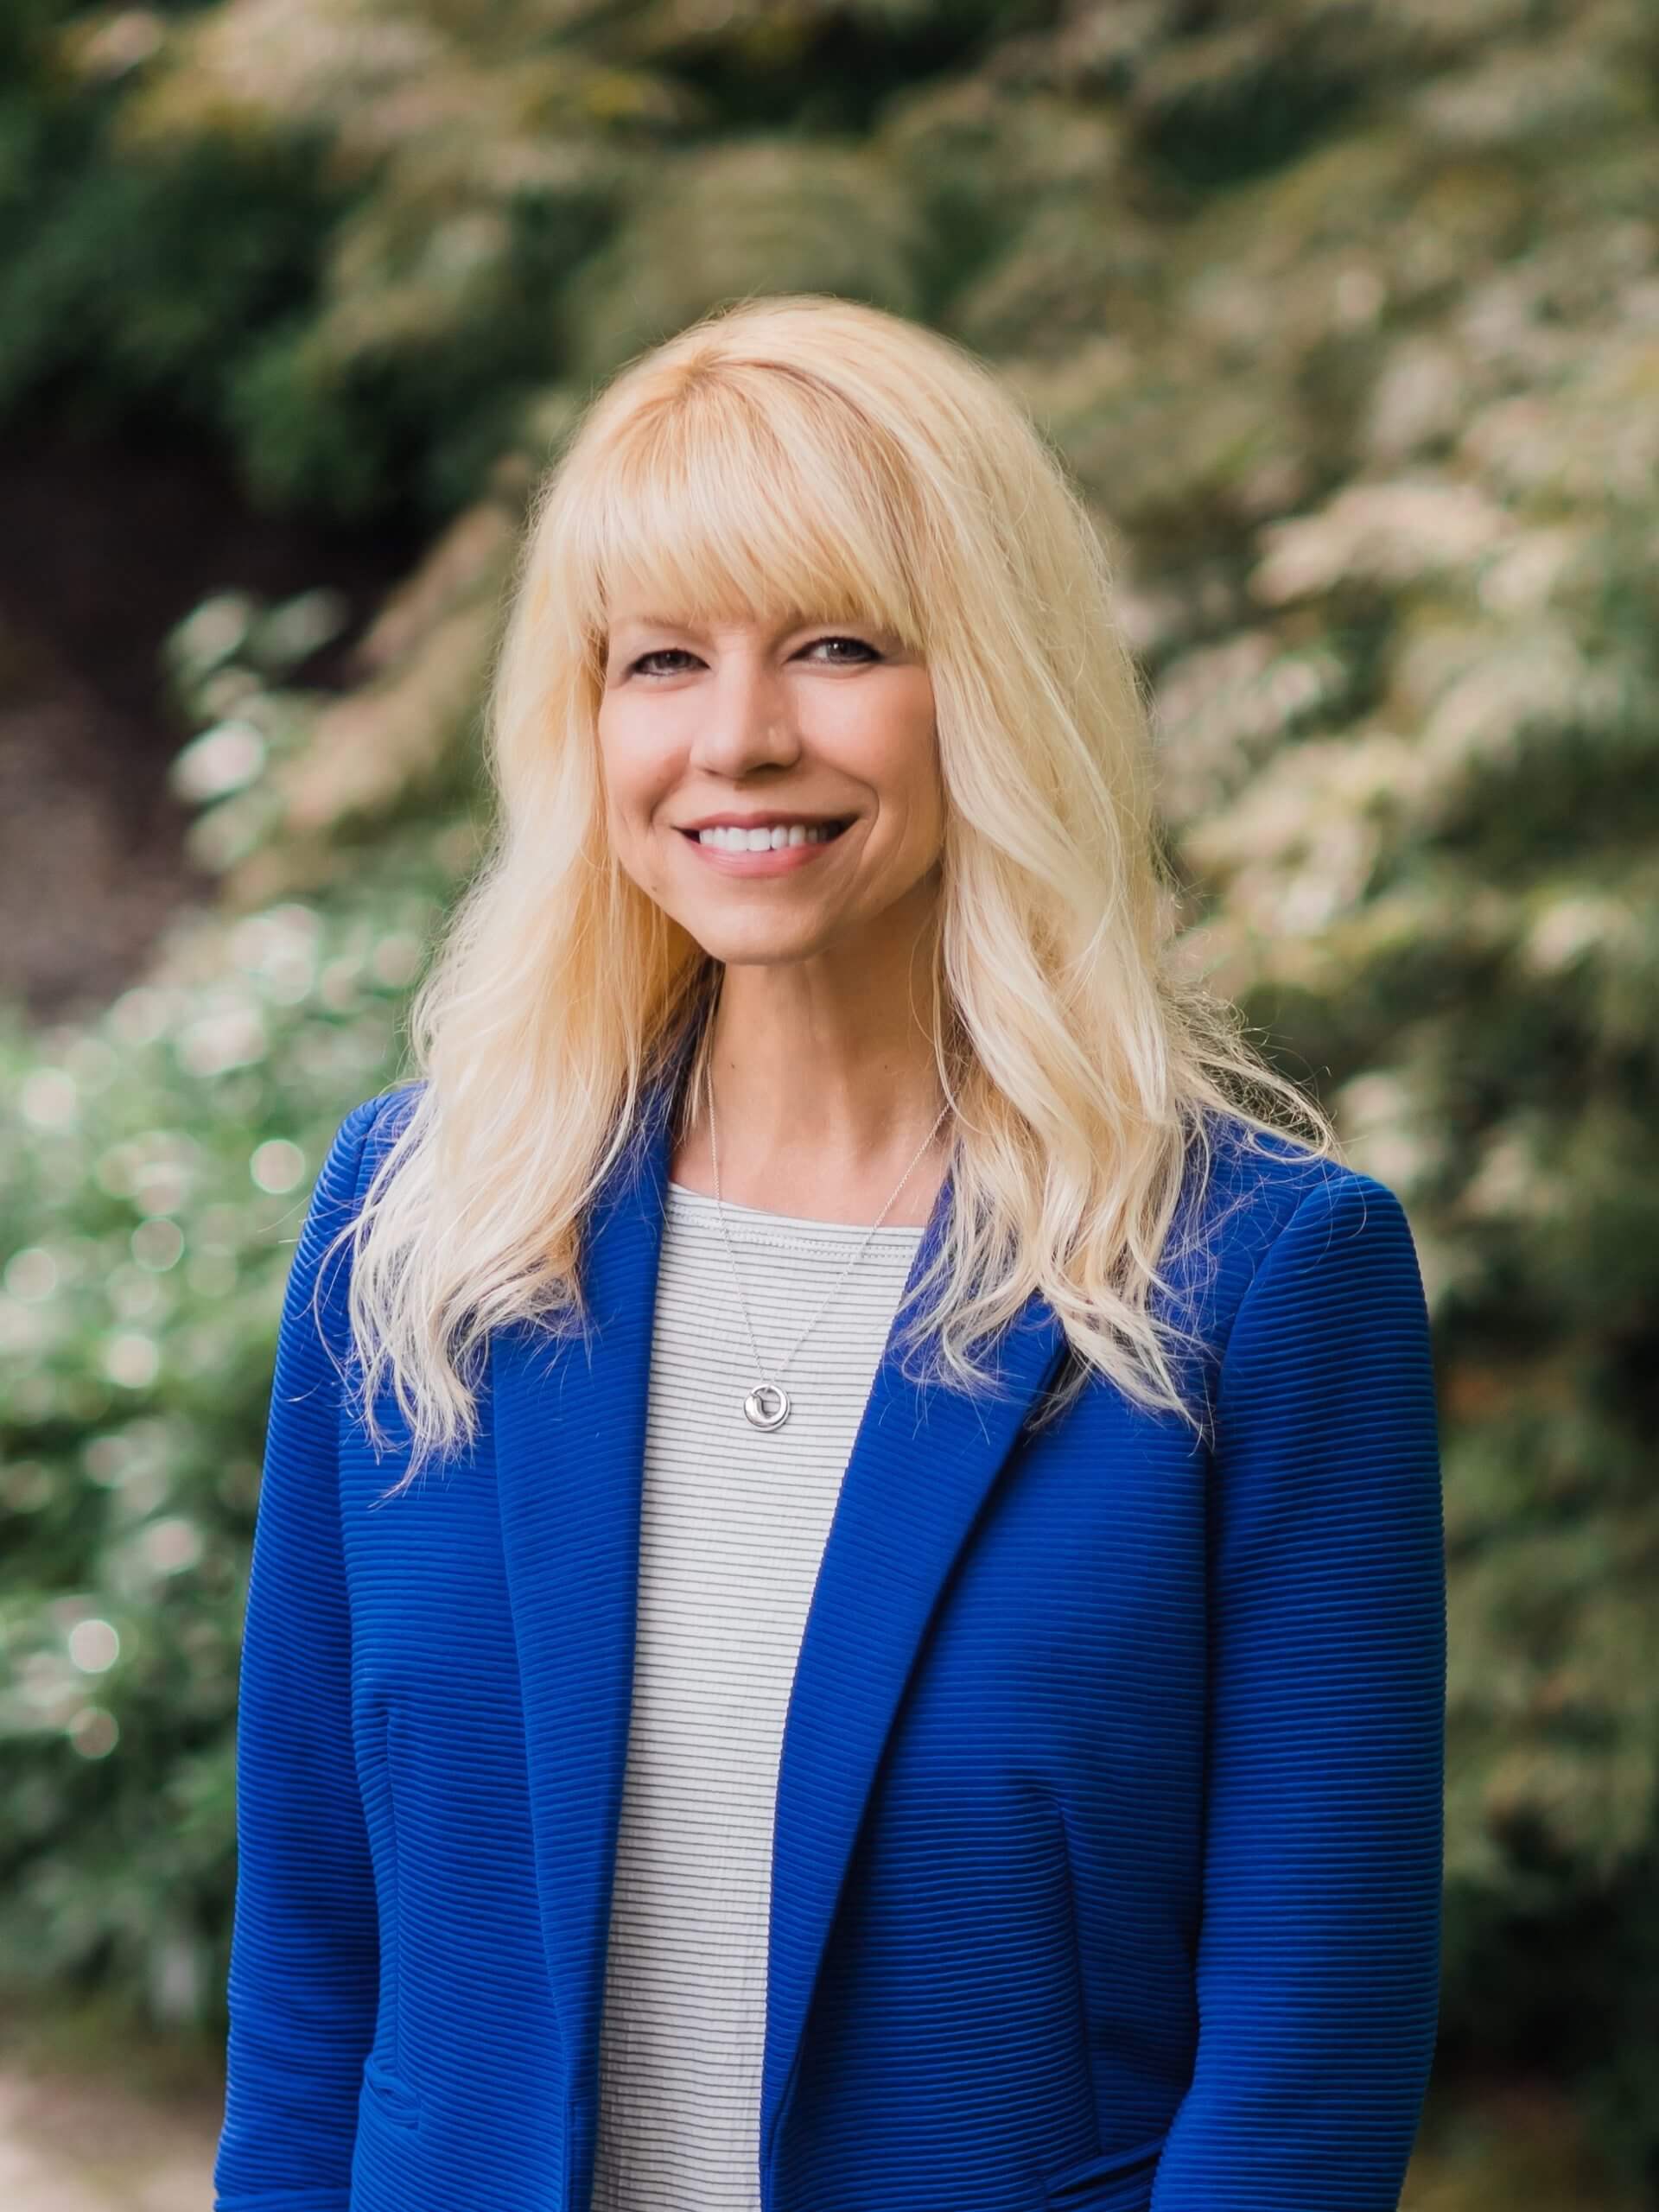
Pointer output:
x,y
304,1963
1318,1956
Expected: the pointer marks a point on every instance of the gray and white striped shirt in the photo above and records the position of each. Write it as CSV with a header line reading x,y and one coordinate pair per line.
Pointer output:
x,y
733,1523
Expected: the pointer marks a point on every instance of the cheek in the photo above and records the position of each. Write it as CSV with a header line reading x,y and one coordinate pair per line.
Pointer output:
x,y
895,752
637,794
637,750
913,791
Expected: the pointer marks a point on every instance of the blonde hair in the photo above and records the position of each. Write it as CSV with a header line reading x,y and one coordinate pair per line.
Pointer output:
x,y
807,458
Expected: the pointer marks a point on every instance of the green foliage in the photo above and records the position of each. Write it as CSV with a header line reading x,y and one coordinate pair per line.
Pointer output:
x,y
440,317
1246,105
151,1187
758,215
118,285
1344,320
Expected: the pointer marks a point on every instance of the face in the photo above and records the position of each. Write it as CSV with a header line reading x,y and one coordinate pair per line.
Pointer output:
x,y
815,723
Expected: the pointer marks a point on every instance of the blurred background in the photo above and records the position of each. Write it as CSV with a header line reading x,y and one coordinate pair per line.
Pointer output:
x,y
1345,317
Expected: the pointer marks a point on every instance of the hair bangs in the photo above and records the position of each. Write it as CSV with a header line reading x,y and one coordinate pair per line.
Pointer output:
x,y
726,507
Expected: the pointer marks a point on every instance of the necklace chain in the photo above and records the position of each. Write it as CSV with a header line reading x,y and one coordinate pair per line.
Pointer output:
x,y
768,1404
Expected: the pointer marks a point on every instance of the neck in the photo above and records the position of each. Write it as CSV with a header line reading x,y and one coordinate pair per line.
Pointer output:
x,y
821,1102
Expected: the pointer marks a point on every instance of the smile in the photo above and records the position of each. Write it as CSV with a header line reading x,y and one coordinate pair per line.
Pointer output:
x,y
770,852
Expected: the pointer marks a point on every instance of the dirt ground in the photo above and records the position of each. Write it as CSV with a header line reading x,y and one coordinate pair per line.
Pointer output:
x,y
79,2144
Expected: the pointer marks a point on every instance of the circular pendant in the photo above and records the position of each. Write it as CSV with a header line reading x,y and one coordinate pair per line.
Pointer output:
x,y
768,1405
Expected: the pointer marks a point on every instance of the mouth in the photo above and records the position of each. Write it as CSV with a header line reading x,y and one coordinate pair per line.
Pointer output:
x,y
831,831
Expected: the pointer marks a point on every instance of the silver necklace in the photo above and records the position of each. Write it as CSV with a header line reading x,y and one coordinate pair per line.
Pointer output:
x,y
768,1404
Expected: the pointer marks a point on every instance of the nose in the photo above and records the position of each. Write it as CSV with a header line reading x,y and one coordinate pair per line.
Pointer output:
x,y
746,723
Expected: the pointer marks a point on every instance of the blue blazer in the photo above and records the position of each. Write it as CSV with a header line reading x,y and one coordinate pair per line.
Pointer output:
x,y
1106,1855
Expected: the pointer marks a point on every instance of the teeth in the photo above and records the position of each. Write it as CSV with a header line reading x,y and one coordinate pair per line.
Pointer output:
x,y
761,841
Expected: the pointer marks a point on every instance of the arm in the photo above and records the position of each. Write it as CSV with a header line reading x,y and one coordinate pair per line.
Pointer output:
x,y
1318,1956
304,1945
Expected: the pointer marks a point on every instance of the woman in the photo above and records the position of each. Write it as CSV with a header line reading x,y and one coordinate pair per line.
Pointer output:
x,y
903,1662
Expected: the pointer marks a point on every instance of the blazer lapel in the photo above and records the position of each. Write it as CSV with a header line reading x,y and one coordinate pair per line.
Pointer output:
x,y
570,1423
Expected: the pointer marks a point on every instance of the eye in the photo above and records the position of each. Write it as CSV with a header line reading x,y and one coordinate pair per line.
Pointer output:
x,y
864,646
669,653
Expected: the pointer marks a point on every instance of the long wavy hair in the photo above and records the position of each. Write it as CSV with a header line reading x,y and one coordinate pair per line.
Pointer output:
x,y
802,457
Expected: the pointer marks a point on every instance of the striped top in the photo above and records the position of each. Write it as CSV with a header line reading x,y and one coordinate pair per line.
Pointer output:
x,y
734,1520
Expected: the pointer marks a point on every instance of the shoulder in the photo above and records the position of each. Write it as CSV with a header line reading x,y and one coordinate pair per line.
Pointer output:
x,y
1323,1352
367,1134
387,1116
1279,1221
360,1143
320,1267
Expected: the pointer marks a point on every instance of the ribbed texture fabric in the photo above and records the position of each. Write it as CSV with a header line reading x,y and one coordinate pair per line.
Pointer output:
x,y
1106,1840
733,1522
